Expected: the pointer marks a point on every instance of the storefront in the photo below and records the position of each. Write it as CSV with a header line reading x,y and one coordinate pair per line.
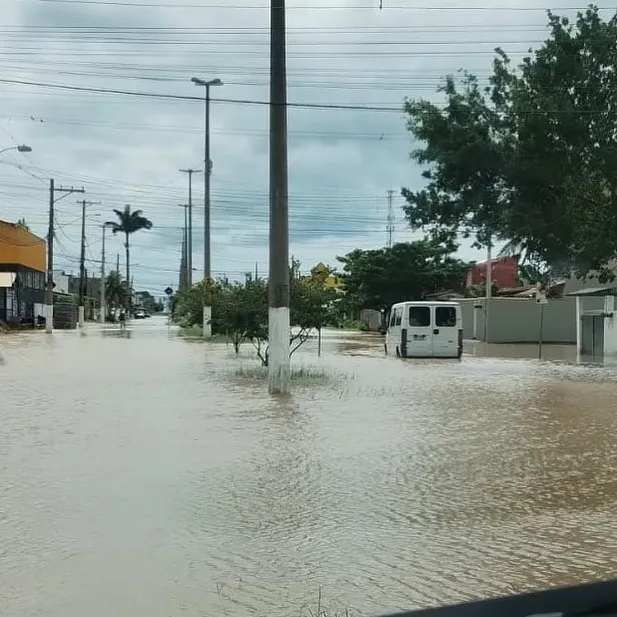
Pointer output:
x,y
22,275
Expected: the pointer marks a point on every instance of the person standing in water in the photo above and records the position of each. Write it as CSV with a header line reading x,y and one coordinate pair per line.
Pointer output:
x,y
122,320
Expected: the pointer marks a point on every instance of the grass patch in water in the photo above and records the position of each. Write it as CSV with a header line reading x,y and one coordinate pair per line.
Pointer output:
x,y
196,332
299,374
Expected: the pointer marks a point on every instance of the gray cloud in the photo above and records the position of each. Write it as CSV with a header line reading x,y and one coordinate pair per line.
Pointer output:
x,y
127,150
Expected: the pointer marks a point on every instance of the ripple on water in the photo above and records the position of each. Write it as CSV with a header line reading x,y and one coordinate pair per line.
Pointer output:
x,y
148,476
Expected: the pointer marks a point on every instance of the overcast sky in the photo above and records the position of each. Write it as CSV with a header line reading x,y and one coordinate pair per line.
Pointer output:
x,y
127,149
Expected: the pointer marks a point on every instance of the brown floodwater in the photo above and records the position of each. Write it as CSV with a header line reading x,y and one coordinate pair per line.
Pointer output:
x,y
145,475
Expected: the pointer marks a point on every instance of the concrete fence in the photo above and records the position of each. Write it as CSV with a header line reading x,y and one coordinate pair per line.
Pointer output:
x,y
517,320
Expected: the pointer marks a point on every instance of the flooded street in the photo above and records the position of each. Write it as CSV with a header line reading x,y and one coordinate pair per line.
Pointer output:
x,y
151,476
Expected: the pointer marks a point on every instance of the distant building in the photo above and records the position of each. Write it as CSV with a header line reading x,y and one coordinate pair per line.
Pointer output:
x,y
23,263
504,272
323,274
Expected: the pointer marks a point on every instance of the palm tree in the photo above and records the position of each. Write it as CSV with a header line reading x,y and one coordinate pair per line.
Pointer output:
x,y
129,221
116,292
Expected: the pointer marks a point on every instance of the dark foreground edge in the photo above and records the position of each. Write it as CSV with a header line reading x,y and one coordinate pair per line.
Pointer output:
x,y
589,599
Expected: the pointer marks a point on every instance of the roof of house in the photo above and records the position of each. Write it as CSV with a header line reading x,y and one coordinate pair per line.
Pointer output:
x,y
607,290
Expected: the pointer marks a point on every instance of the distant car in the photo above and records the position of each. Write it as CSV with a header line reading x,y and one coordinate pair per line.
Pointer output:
x,y
140,314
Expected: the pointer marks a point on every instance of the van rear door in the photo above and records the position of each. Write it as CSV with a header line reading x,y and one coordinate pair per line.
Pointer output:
x,y
419,332
445,332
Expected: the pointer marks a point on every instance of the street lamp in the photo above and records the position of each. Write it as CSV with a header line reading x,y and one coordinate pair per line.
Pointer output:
x,y
207,311
20,148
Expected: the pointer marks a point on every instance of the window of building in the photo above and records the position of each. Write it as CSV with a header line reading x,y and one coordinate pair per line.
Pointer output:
x,y
419,316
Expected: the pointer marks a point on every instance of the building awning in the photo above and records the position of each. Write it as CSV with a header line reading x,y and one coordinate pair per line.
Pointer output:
x,y
609,290
7,279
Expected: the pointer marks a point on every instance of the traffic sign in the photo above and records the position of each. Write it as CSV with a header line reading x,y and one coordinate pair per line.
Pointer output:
x,y
169,291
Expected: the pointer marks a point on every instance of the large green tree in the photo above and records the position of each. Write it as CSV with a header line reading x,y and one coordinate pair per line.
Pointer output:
x,y
376,279
532,158
129,222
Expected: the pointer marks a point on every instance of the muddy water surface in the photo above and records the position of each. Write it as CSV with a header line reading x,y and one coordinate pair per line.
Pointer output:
x,y
150,476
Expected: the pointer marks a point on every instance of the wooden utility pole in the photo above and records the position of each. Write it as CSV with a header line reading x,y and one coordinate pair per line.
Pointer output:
x,y
278,283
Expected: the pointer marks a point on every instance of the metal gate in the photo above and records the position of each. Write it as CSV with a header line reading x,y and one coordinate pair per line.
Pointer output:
x,y
592,334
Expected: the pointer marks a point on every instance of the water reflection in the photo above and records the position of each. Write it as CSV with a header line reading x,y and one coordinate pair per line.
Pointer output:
x,y
147,477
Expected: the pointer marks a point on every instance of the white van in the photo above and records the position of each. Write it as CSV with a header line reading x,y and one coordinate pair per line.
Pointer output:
x,y
425,330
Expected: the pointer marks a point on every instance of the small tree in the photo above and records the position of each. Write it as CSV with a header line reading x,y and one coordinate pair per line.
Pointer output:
x,y
116,292
241,312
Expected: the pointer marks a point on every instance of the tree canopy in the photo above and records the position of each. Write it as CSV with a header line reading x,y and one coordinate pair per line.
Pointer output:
x,y
532,157
378,278
240,310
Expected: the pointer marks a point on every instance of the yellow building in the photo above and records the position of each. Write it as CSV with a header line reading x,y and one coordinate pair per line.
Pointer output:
x,y
23,262
322,273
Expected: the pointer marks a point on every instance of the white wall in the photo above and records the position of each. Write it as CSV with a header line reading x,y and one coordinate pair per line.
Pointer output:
x,y
62,282
610,327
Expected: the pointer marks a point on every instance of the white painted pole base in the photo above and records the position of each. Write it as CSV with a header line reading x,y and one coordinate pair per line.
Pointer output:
x,y
279,371
49,318
82,316
206,325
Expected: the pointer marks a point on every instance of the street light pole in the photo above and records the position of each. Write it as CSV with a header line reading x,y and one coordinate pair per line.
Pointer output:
x,y
207,310
189,246
278,283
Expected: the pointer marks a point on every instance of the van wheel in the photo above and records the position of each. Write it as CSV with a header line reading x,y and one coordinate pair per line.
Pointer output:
x,y
398,353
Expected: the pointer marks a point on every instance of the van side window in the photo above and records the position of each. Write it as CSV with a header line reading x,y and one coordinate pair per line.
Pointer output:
x,y
392,318
419,316
445,317
399,316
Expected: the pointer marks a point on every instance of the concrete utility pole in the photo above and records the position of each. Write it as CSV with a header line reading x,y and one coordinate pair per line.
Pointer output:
x,y
184,262
279,372
49,286
118,263
103,303
103,299
82,262
390,225
189,263
488,280
207,310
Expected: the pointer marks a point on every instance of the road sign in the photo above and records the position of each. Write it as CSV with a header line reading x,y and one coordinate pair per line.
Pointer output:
x,y
169,291
209,281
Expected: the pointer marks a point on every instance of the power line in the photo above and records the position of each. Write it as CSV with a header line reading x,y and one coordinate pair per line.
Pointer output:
x,y
321,106
372,7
